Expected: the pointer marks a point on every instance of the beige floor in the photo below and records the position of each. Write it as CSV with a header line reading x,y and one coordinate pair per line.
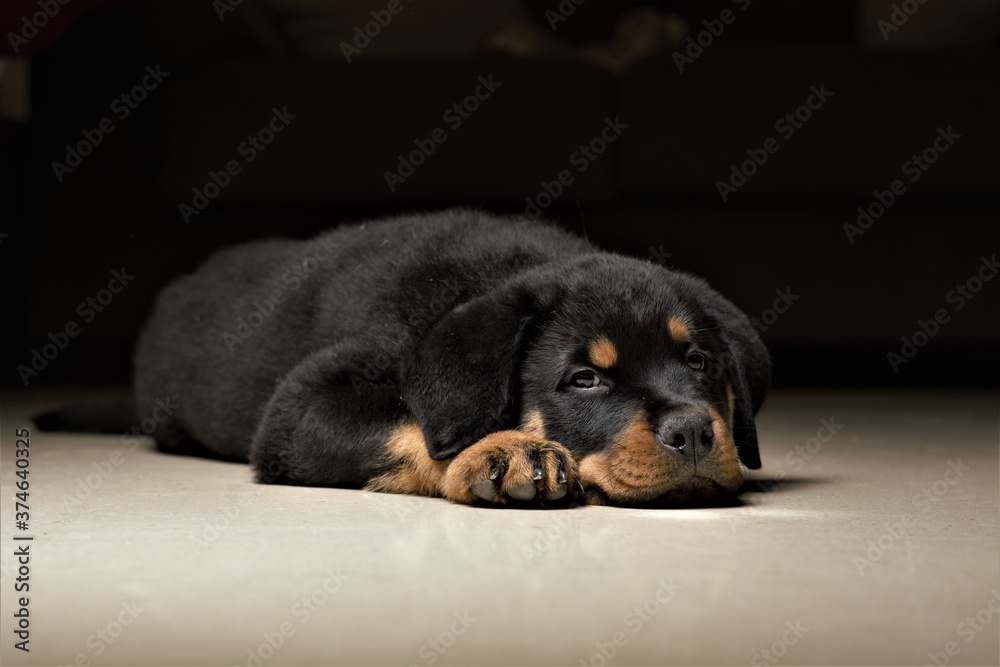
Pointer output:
x,y
872,549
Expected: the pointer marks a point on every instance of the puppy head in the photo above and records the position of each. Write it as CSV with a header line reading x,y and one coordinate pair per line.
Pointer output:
x,y
648,376
643,374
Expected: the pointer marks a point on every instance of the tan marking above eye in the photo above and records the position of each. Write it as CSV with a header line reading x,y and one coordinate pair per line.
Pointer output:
x,y
603,353
678,330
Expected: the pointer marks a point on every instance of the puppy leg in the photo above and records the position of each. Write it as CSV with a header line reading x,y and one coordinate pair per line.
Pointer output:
x,y
324,426
505,467
328,422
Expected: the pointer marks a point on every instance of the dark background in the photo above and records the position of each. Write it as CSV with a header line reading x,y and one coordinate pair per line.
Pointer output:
x,y
652,194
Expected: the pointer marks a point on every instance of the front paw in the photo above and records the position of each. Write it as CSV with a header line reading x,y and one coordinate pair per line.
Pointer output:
x,y
513,467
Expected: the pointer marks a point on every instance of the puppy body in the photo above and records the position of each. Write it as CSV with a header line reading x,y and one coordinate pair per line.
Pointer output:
x,y
416,354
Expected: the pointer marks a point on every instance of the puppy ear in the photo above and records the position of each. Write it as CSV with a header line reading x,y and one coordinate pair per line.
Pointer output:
x,y
746,362
461,380
750,374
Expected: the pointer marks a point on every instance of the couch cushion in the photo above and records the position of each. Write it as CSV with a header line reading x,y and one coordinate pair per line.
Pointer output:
x,y
353,121
689,128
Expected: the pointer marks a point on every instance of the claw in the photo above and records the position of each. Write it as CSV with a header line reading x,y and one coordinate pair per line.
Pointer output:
x,y
494,472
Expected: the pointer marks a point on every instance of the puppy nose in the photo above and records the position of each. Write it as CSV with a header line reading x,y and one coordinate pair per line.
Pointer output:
x,y
688,435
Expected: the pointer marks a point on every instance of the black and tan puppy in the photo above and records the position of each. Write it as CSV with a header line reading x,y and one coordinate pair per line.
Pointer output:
x,y
462,355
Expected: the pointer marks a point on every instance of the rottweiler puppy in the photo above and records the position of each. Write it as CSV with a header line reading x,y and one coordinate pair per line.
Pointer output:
x,y
457,354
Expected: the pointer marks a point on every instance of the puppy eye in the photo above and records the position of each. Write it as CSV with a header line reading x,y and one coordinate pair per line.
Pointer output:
x,y
696,361
585,380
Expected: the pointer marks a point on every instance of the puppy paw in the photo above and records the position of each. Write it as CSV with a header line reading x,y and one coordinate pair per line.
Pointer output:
x,y
513,468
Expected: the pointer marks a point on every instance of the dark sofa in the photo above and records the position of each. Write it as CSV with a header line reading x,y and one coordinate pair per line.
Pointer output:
x,y
654,190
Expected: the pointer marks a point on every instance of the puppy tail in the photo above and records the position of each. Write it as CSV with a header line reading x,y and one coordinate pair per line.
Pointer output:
x,y
104,417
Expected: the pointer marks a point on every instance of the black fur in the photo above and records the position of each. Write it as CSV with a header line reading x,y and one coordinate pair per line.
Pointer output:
x,y
104,417
459,319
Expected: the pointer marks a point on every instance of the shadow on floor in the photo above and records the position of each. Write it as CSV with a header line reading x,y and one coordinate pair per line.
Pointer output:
x,y
757,485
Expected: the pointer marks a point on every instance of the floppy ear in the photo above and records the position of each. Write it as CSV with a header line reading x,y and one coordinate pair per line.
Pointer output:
x,y
746,361
461,379
750,374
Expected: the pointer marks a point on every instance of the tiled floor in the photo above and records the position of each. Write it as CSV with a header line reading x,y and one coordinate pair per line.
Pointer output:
x,y
874,542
